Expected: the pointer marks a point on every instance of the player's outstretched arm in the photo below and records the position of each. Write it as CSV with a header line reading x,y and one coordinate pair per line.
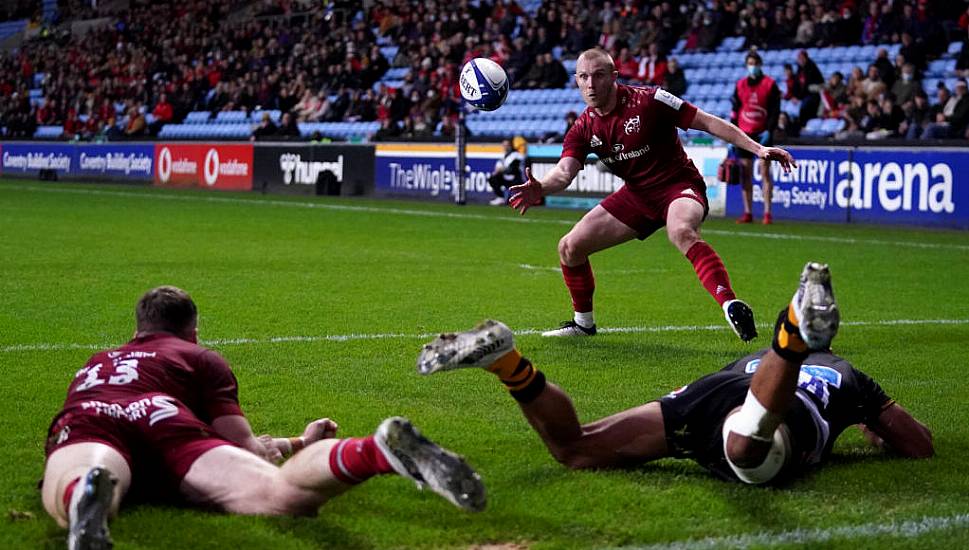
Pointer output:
x,y
236,429
530,193
898,431
728,132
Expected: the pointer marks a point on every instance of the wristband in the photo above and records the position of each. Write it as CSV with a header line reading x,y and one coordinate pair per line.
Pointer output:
x,y
296,444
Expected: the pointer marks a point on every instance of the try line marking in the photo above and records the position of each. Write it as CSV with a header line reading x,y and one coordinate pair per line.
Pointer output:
x,y
220,342
464,215
813,537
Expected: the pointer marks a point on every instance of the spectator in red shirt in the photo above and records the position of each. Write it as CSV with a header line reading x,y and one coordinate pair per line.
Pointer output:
x,y
163,113
627,65
652,66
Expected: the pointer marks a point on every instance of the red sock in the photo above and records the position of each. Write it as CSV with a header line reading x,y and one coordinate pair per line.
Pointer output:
x,y
711,271
357,459
68,493
581,284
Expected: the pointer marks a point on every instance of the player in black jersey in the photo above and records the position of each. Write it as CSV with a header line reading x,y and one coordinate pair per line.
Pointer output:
x,y
761,419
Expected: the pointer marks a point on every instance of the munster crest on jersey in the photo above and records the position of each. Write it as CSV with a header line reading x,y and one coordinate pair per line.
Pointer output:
x,y
632,125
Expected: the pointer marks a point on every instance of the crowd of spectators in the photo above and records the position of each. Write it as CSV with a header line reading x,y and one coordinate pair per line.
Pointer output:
x,y
320,62
19,9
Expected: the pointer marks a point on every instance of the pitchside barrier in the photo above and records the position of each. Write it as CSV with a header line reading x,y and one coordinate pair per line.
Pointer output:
x,y
274,167
886,185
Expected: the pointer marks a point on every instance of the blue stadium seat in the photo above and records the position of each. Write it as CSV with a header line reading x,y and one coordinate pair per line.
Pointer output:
x,y
274,115
231,116
955,48
48,132
813,127
390,52
197,117
831,126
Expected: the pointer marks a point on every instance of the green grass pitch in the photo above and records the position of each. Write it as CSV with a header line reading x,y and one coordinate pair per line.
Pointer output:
x,y
75,258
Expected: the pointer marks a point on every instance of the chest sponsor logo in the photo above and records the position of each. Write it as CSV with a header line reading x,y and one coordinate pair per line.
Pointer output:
x,y
596,142
631,125
617,147
625,155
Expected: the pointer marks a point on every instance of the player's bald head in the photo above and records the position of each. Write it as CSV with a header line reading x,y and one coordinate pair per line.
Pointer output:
x,y
597,57
166,309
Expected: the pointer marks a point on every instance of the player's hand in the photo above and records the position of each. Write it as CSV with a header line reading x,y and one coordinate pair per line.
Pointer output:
x,y
779,155
272,452
524,196
871,436
317,430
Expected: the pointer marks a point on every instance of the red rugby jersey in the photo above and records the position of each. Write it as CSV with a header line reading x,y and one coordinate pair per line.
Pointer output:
x,y
158,363
637,140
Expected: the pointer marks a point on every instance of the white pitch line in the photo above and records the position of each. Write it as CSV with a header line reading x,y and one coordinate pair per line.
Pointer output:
x,y
530,267
14,348
811,537
469,216
839,240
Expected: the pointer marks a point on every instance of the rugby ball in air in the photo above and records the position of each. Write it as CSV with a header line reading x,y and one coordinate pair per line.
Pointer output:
x,y
484,84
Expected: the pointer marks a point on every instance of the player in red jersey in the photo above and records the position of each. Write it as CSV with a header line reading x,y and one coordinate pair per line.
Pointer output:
x,y
764,418
160,415
756,105
633,132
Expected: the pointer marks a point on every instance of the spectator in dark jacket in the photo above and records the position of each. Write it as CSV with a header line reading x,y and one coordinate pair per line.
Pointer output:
x,y
266,128
809,83
951,122
288,127
554,74
917,115
675,81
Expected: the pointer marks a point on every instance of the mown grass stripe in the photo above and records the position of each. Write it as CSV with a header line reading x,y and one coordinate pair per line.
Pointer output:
x,y
905,529
468,216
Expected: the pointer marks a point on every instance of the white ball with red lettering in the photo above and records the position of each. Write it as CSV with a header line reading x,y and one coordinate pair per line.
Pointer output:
x,y
484,84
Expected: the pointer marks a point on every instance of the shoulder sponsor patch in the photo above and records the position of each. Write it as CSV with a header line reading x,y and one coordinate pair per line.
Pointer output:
x,y
668,98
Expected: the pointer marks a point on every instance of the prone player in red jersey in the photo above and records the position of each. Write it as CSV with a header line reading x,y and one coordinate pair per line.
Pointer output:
x,y
764,418
633,132
160,415
756,106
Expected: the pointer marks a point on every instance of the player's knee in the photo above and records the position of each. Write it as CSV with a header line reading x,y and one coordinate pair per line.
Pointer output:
x,y
569,253
683,236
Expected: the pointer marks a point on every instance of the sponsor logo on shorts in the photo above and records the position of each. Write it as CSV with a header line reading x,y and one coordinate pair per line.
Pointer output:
x,y
677,391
